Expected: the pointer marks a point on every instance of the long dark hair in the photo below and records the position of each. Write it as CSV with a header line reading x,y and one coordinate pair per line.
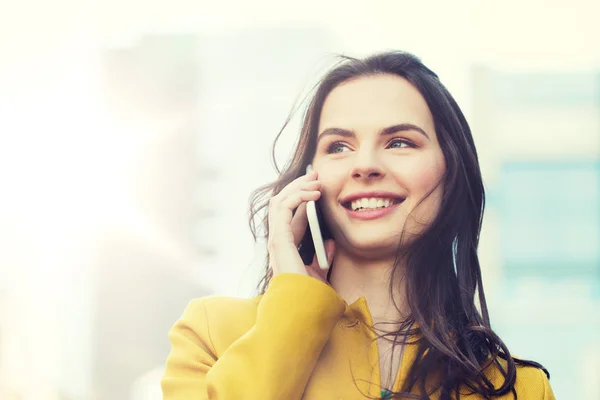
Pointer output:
x,y
456,343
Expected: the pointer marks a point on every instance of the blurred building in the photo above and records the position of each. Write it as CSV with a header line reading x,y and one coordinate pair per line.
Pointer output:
x,y
144,275
538,136
249,83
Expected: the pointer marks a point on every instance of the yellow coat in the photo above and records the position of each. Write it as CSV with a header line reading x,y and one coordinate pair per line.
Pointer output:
x,y
299,340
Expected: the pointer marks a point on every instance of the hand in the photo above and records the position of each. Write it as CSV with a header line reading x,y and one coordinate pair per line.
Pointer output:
x,y
287,228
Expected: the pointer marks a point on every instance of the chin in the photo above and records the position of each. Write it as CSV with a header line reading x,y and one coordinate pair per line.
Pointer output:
x,y
375,246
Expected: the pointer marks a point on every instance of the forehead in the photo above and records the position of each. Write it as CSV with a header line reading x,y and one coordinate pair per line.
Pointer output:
x,y
373,102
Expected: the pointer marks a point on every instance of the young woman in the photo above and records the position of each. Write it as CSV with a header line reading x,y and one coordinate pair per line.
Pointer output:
x,y
398,183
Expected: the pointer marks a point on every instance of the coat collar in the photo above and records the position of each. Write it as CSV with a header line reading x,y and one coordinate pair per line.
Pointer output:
x,y
358,313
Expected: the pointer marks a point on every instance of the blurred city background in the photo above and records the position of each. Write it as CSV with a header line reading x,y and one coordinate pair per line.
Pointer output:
x,y
132,133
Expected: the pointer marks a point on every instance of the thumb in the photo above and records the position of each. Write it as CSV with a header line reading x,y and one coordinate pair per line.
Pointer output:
x,y
330,250
314,270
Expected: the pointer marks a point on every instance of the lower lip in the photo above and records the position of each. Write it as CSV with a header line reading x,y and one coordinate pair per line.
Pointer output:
x,y
372,214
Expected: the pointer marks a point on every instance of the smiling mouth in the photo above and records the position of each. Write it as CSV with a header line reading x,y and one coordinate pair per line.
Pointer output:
x,y
369,204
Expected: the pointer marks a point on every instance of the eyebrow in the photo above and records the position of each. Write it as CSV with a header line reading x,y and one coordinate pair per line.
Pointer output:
x,y
390,130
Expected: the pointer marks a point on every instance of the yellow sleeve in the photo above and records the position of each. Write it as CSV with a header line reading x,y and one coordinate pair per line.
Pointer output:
x,y
273,360
548,394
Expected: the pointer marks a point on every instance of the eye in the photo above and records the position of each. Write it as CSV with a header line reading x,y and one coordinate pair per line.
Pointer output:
x,y
399,143
337,147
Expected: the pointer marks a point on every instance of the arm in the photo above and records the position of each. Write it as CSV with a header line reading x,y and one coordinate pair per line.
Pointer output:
x,y
273,360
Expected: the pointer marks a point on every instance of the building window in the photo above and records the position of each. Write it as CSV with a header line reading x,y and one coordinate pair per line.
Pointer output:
x,y
549,215
546,90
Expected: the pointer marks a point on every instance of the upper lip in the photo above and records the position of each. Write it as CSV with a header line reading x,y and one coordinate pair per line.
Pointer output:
x,y
368,195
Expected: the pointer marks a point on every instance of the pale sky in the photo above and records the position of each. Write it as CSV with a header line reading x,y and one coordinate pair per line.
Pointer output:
x,y
49,69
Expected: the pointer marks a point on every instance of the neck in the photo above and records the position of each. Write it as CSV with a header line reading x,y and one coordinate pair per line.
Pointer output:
x,y
354,277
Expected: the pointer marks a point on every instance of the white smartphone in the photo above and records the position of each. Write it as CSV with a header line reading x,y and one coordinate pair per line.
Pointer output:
x,y
315,230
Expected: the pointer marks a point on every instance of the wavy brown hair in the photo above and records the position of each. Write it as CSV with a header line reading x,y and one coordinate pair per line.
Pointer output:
x,y
456,343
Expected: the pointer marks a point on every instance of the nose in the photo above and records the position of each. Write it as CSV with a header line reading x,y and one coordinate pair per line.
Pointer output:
x,y
367,167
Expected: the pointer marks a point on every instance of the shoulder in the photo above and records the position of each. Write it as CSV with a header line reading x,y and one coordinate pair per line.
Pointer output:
x,y
220,320
531,383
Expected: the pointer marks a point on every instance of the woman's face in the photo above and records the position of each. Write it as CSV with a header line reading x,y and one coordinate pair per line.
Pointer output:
x,y
377,156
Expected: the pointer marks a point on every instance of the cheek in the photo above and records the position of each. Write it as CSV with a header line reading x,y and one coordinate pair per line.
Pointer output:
x,y
331,178
425,172
330,189
425,180
421,182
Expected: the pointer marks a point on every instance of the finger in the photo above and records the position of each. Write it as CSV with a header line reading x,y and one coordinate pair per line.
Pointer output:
x,y
294,200
305,181
289,195
297,187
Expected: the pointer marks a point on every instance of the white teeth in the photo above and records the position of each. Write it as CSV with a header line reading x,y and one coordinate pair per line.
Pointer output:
x,y
370,203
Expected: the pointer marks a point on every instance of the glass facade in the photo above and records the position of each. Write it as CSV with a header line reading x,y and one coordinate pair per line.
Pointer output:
x,y
540,133
550,219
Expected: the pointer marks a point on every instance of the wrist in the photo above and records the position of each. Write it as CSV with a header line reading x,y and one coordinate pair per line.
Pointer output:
x,y
287,260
